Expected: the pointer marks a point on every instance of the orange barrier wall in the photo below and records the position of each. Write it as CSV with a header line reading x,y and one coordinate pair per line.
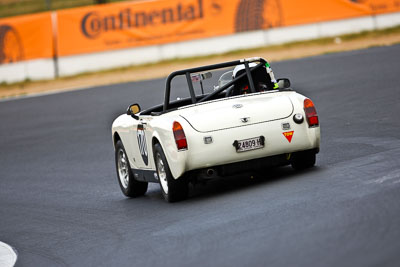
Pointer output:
x,y
131,24
311,11
26,37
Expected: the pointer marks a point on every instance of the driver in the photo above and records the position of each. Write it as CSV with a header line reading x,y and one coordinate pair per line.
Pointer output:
x,y
263,79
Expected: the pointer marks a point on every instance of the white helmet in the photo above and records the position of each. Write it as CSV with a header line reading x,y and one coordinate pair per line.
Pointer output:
x,y
238,68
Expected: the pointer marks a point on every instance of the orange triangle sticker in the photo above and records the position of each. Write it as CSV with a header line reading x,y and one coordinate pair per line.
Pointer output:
x,y
289,135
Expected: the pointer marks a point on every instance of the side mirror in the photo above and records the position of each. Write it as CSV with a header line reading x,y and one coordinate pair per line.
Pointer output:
x,y
196,77
284,83
133,110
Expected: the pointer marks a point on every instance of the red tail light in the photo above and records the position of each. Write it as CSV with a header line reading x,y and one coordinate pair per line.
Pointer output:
x,y
179,135
311,113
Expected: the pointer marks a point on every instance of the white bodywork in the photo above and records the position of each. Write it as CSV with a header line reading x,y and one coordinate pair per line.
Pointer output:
x,y
224,120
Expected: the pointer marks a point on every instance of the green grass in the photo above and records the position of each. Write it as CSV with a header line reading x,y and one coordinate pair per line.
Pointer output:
x,y
10,8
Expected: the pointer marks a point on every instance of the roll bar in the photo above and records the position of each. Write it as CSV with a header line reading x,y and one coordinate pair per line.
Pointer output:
x,y
187,73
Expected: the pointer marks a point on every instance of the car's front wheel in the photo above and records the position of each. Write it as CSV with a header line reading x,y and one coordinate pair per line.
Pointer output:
x,y
129,186
172,189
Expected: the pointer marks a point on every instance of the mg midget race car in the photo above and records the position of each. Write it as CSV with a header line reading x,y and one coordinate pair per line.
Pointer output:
x,y
244,121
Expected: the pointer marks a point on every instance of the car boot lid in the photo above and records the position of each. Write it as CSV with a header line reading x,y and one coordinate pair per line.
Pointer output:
x,y
238,112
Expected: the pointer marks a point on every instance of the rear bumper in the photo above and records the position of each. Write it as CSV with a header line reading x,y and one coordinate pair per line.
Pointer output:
x,y
245,166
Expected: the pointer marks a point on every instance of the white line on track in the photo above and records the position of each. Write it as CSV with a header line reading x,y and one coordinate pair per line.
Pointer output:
x,y
8,256
392,176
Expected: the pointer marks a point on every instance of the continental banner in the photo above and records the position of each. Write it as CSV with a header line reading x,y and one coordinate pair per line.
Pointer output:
x,y
26,37
132,24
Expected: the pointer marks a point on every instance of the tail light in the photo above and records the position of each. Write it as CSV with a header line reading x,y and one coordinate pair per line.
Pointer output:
x,y
179,135
311,113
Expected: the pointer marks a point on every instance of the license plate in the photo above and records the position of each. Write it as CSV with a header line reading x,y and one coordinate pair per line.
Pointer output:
x,y
249,144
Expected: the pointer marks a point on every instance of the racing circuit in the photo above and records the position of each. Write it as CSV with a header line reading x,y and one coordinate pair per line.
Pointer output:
x,y
60,203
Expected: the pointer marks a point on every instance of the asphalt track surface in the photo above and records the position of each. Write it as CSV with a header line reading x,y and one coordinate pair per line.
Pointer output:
x,y
60,203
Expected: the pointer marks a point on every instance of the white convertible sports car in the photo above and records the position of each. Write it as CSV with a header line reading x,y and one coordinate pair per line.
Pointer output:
x,y
243,121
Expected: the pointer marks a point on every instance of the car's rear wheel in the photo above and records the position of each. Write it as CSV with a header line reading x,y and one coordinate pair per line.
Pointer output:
x,y
129,186
303,160
172,189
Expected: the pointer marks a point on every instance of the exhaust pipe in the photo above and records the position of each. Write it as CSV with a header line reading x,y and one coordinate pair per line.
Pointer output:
x,y
210,172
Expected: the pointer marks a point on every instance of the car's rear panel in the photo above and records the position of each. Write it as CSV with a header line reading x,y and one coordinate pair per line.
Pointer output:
x,y
277,141
270,117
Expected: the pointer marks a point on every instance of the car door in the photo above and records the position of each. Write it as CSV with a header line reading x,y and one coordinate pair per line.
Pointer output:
x,y
140,136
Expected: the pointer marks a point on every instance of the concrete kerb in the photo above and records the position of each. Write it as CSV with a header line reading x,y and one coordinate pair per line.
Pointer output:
x,y
8,256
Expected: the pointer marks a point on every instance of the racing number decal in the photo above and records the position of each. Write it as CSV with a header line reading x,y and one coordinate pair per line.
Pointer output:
x,y
141,137
288,135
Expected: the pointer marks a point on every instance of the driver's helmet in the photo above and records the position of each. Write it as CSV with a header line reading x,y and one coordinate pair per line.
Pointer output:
x,y
239,69
242,86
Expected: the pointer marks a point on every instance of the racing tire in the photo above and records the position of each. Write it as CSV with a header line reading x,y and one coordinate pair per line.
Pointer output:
x,y
251,15
303,160
129,186
173,190
10,45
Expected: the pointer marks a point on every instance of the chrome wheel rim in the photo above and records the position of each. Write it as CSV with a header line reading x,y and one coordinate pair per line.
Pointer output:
x,y
123,169
162,175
